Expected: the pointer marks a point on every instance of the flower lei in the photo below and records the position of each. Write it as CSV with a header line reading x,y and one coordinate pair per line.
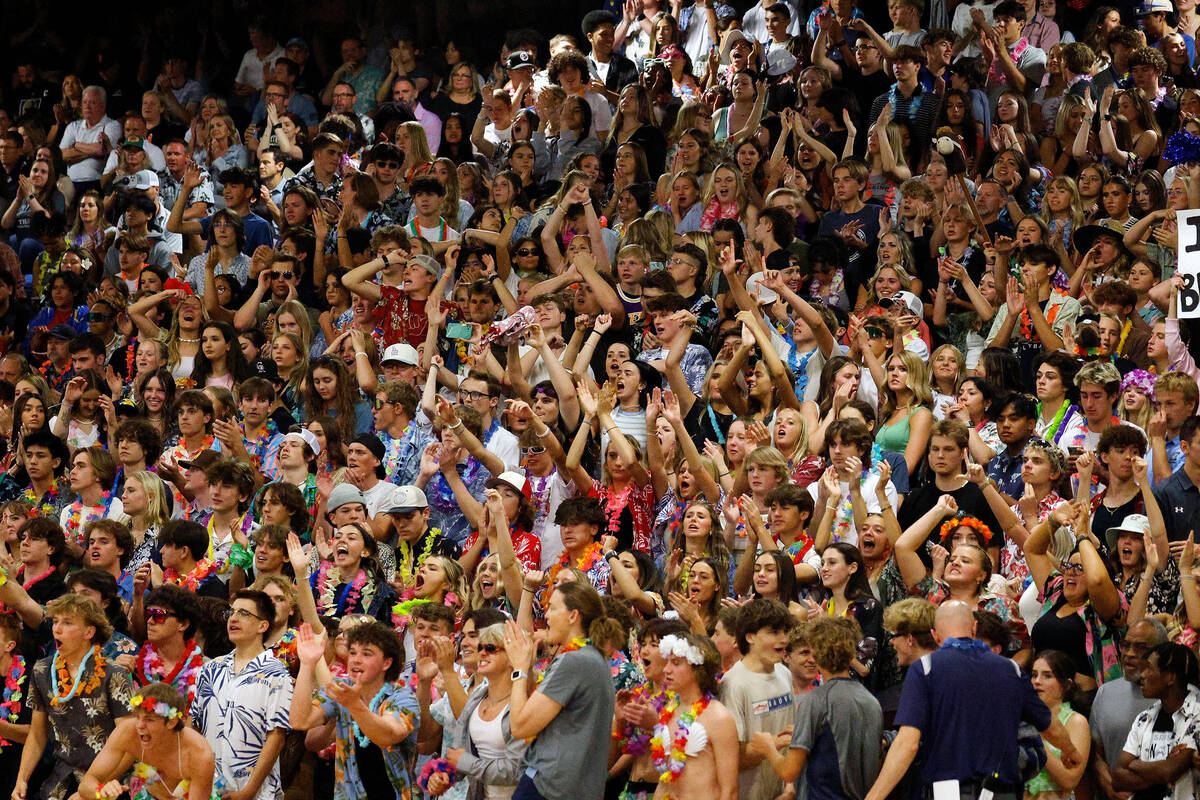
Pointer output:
x,y
570,647
403,610
76,519
914,102
60,675
996,74
407,565
204,568
257,448
29,583
149,704
10,706
361,588
670,764
151,668
964,522
844,520
614,505
633,740
828,294
436,765
591,556
41,509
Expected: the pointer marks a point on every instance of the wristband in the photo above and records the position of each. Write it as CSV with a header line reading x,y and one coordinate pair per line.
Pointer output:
x,y
610,555
240,557
457,424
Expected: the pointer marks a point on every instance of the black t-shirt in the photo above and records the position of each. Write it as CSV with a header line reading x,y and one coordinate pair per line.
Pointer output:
x,y
373,772
971,503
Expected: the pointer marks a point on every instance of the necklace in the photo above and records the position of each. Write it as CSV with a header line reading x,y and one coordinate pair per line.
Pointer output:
x,y
362,740
330,600
42,509
670,763
189,341
78,516
60,674
151,668
28,584
585,564
407,565
198,574
636,741
10,706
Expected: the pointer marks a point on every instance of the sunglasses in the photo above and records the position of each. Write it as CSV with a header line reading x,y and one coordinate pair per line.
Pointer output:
x,y
875,333
381,403
1070,568
388,164
157,615
96,316
490,648
527,251
532,451
287,276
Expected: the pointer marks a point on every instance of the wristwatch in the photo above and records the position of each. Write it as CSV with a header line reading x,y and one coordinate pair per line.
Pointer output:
x,y
518,674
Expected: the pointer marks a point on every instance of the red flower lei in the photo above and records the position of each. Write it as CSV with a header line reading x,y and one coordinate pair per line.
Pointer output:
x,y
10,708
75,516
587,561
200,573
151,668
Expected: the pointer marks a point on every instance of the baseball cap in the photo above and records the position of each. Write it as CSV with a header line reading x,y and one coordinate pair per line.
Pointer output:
x,y
403,352
134,141
344,494
143,179
296,41
203,460
62,331
428,262
1153,7
406,499
910,300
306,436
264,368
779,62
761,293
1137,524
519,59
513,480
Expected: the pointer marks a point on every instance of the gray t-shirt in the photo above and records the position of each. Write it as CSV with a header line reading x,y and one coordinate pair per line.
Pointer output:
x,y
1117,704
842,744
564,760
758,702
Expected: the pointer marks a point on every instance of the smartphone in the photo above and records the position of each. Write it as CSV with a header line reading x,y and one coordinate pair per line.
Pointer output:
x,y
458,330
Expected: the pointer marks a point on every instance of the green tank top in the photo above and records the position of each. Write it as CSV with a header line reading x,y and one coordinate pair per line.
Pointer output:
x,y
894,437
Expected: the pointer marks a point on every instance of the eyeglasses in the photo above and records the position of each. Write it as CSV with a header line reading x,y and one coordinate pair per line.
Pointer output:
x,y
467,396
677,260
858,47
287,276
532,451
1071,568
527,251
279,95
157,615
490,648
96,316
241,613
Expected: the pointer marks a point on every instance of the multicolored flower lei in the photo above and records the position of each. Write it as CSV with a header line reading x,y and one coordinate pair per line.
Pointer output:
x,y
586,562
77,518
140,703
151,668
59,676
670,764
569,647
204,568
41,509
635,741
10,706
361,589
436,765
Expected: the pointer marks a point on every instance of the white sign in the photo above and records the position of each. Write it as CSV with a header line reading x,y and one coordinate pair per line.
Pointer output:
x,y
1188,267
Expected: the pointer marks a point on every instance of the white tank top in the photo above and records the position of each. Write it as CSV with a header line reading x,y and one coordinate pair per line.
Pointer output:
x,y
488,735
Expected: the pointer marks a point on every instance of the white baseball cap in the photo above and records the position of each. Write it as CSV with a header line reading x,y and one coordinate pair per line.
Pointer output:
x,y
403,352
308,437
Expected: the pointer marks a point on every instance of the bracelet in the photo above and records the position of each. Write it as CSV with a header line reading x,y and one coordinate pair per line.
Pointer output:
x,y
384,258
542,434
1108,117
364,355
831,506
723,474
457,424
610,555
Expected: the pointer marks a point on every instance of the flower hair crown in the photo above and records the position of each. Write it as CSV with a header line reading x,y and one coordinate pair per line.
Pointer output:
x,y
964,522
149,704
673,645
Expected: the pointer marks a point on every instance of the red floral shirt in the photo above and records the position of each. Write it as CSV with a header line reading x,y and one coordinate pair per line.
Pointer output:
x,y
526,547
401,317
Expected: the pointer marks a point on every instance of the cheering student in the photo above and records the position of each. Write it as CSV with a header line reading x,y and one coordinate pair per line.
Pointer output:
x,y
375,718
73,684
171,654
163,750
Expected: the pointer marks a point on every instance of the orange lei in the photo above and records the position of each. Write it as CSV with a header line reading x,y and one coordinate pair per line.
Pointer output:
x,y
585,563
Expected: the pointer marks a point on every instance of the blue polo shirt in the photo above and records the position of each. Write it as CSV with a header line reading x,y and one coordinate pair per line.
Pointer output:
x,y
967,703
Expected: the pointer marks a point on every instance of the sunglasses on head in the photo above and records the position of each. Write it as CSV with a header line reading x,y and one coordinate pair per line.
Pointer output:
x,y
157,615
287,276
490,648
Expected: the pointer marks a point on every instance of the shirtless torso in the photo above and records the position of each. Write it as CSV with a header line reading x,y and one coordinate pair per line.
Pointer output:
x,y
714,765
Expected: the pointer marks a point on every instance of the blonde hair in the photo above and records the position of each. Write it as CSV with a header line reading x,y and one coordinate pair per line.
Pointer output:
x,y
917,383
901,273
300,368
477,600
450,208
740,196
1074,209
300,313
156,505
418,145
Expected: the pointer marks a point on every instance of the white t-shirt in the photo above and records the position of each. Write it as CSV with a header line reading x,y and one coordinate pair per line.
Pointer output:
x,y
504,444
250,71
79,132
869,497
379,497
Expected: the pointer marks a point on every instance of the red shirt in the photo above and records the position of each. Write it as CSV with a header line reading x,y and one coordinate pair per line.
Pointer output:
x,y
526,546
401,317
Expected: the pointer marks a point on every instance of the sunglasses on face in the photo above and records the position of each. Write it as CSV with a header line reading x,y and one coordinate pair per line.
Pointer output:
x,y
381,403
388,164
527,251
287,276
490,648
875,333
96,316
157,615
1070,568
532,451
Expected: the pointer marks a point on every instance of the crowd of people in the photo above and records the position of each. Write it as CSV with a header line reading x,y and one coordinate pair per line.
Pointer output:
x,y
782,401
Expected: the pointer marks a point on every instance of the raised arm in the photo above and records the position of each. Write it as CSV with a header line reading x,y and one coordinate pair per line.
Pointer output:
x,y
176,223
